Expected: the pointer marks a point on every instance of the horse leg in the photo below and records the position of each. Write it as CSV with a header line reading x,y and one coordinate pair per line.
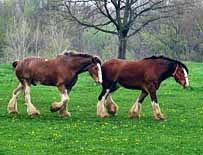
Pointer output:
x,y
136,108
101,111
111,106
61,106
155,106
31,110
12,105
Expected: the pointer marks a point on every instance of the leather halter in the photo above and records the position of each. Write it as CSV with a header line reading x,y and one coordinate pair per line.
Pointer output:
x,y
174,73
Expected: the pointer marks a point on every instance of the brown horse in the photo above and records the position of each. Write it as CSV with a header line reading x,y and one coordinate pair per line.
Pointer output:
x,y
61,72
145,75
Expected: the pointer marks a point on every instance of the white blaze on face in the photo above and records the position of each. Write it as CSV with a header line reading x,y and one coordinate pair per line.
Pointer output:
x,y
99,73
186,77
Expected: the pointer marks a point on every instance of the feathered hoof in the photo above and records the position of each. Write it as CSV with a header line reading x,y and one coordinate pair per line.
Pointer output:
x,y
12,110
55,107
133,115
103,115
65,114
33,113
112,109
159,116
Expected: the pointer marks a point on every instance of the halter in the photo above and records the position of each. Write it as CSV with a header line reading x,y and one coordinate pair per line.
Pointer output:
x,y
185,75
174,73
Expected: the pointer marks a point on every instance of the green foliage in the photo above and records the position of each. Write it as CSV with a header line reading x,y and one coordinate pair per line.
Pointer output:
x,y
100,43
29,7
2,38
84,133
2,41
167,41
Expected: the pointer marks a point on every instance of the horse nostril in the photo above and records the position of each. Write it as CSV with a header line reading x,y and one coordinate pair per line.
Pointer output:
x,y
99,81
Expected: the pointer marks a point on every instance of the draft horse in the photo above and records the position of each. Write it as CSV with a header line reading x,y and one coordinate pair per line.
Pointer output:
x,y
145,75
61,72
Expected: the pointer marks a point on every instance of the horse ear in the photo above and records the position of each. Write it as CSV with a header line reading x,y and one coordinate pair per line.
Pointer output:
x,y
96,59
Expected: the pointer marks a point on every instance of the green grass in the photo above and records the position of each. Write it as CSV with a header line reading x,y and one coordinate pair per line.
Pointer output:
x,y
84,133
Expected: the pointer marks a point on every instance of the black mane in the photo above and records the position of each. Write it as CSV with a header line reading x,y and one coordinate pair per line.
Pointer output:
x,y
169,59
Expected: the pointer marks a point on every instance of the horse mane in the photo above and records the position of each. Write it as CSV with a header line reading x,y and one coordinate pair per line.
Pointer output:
x,y
169,59
84,55
77,54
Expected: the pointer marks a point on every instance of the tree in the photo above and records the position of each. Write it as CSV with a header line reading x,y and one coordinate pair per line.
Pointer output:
x,y
123,18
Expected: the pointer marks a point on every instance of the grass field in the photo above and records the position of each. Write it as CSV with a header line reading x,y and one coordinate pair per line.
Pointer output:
x,y
84,133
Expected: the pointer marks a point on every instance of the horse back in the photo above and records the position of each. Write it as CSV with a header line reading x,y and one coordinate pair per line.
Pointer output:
x,y
42,70
116,68
131,74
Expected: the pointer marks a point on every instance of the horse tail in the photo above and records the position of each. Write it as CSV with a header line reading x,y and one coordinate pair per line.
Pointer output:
x,y
14,64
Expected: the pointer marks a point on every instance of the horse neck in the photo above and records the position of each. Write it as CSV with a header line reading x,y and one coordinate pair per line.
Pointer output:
x,y
169,70
83,64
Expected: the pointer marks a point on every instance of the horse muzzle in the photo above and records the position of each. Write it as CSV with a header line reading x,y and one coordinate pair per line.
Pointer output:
x,y
186,85
99,82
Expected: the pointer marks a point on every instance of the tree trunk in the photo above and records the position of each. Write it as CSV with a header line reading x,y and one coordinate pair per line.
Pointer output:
x,y
122,47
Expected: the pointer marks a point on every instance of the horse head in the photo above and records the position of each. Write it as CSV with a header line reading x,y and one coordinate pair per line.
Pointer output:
x,y
181,75
95,69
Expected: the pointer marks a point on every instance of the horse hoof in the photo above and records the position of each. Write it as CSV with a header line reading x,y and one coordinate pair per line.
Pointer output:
x,y
111,112
133,115
112,109
103,115
13,112
34,113
159,117
54,107
65,114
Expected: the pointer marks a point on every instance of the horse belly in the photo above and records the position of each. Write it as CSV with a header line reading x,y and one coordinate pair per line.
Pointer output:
x,y
130,82
130,85
44,79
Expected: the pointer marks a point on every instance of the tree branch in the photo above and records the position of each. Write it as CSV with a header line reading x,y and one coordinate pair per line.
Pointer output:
x,y
88,24
145,24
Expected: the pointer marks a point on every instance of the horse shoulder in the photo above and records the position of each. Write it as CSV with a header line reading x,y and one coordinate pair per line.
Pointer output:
x,y
111,68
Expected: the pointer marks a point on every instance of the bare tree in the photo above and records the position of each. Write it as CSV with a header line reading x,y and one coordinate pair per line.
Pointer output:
x,y
19,38
123,18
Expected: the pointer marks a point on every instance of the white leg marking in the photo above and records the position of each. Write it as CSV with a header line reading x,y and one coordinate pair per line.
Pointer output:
x,y
99,72
101,111
12,105
110,105
63,105
135,110
157,111
64,97
31,110
186,77
137,107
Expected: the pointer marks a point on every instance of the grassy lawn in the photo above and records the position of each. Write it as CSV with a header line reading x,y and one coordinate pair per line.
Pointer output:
x,y
84,133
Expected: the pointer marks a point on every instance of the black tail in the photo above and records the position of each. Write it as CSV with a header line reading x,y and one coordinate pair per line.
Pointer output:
x,y
14,64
